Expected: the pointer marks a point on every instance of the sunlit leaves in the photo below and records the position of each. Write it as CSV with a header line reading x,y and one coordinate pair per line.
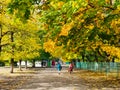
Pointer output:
x,y
56,5
115,25
111,50
90,26
66,28
49,46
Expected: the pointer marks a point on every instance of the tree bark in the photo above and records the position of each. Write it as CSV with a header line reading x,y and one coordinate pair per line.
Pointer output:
x,y
83,57
0,39
33,63
20,68
25,64
12,59
111,2
12,65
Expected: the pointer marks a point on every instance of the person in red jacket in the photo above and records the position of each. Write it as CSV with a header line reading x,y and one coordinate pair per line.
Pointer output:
x,y
71,66
53,63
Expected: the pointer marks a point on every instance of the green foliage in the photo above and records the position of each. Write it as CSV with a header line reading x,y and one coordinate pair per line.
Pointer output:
x,y
21,8
44,55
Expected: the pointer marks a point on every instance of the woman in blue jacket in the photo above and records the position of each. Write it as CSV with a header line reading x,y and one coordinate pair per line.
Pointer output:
x,y
59,67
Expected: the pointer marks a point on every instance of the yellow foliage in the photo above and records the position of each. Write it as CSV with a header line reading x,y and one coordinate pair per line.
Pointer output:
x,y
66,28
58,51
60,4
117,60
79,18
81,9
82,20
115,25
49,46
102,16
71,55
118,7
90,26
65,60
112,50
107,1
75,4
57,5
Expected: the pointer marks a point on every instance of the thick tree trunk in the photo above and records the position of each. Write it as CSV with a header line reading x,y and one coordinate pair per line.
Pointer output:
x,y
25,64
12,65
20,68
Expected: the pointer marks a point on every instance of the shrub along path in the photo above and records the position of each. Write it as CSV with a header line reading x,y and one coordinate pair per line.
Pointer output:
x,y
49,79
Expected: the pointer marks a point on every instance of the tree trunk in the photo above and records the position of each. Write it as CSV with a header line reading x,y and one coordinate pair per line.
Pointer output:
x,y
111,2
12,65
33,63
20,68
0,39
83,57
96,58
25,64
12,59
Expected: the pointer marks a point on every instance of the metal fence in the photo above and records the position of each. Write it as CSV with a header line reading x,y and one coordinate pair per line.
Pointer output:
x,y
106,67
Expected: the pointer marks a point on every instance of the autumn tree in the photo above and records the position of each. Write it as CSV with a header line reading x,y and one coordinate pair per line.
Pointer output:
x,y
18,41
83,25
78,27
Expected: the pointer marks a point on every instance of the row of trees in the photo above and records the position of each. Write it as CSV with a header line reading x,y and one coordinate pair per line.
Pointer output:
x,y
18,40
68,29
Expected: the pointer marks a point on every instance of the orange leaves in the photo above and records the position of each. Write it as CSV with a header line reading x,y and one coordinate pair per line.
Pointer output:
x,y
66,28
49,46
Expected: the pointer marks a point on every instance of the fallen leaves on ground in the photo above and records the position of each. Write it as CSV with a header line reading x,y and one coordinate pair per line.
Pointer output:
x,y
97,79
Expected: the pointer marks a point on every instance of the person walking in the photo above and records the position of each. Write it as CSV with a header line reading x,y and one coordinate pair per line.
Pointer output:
x,y
59,67
71,66
53,63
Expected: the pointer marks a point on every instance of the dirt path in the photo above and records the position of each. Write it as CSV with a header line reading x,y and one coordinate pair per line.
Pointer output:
x,y
49,79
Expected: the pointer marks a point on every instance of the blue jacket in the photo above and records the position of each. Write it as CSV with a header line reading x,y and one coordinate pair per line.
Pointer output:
x,y
59,67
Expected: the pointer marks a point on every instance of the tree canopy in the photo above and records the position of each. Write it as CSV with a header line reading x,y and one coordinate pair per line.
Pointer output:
x,y
81,27
74,28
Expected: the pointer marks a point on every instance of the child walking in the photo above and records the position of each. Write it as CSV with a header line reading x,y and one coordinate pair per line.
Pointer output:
x,y
71,66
